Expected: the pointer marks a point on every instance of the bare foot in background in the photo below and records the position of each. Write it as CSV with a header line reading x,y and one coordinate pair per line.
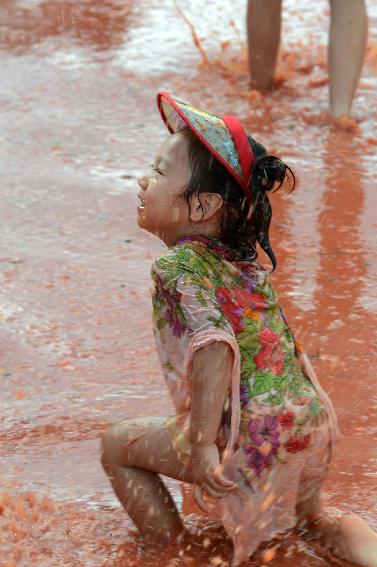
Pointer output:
x,y
359,541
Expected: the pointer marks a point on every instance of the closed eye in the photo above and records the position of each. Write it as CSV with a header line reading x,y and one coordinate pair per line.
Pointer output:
x,y
156,169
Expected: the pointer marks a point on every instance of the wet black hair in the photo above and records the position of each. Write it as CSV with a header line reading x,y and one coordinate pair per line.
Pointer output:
x,y
241,227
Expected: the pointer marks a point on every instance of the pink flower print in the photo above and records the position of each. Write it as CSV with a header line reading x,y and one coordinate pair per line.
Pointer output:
x,y
270,355
242,297
224,296
248,279
296,444
252,300
257,460
174,322
232,311
234,303
269,338
267,430
286,420
172,300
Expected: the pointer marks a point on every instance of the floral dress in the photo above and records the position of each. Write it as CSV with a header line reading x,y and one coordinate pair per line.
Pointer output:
x,y
278,425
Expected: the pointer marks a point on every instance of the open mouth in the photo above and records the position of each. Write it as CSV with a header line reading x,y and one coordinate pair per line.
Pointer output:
x,y
141,206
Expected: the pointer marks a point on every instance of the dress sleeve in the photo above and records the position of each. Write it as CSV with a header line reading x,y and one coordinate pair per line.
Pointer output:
x,y
199,306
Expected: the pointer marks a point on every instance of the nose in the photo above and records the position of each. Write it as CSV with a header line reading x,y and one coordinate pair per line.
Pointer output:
x,y
143,182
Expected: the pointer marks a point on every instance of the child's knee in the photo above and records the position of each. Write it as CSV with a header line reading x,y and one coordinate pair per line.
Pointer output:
x,y
107,447
111,446
114,440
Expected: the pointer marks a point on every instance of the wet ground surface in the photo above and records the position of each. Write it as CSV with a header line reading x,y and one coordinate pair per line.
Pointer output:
x,y
78,125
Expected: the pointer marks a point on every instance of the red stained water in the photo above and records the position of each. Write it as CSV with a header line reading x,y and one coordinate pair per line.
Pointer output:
x,y
79,124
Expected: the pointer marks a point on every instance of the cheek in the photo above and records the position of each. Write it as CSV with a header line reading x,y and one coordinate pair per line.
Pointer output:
x,y
165,212
164,207
175,215
178,209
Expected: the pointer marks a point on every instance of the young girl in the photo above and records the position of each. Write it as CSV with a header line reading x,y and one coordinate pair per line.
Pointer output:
x,y
254,431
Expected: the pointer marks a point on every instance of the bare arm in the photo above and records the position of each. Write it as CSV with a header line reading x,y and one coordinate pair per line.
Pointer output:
x,y
212,367
211,373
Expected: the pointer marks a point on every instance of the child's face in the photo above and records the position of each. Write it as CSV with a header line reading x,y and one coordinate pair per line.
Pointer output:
x,y
160,211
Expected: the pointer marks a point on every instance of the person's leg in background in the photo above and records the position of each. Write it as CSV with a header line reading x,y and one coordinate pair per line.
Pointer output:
x,y
263,29
347,41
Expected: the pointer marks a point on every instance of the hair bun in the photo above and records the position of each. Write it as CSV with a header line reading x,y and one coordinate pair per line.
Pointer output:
x,y
268,171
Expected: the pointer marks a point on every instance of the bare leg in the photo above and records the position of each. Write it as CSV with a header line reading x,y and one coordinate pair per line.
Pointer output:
x,y
133,471
263,28
348,34
350,538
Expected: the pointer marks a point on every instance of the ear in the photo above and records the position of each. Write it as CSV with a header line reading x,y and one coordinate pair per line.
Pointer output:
x,y
204,206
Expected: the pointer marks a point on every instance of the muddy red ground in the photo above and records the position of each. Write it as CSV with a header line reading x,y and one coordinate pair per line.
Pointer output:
x,y
78,125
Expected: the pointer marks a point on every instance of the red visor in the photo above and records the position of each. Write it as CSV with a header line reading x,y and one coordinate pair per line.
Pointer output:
x,y
223,136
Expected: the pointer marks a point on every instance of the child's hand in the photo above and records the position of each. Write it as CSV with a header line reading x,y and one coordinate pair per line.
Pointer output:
x,y
207,474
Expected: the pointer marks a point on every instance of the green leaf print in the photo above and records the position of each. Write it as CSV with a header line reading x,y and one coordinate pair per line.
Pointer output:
x,y
180,315
161,323
267,291
275,399
264,381
200,298
219,322
274,321
213,275
248,368
168,367
294,387
248,340
279,388
316,407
